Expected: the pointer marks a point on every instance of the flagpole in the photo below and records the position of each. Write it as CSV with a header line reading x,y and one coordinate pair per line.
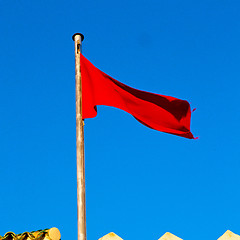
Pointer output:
x,y
81,200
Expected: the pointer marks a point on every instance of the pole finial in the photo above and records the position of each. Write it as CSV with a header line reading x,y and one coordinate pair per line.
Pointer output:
x,y
81,35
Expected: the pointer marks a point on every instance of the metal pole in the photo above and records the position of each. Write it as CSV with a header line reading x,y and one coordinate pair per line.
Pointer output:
x,y
81,201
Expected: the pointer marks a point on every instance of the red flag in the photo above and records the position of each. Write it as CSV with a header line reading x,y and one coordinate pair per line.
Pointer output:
x,y
162,113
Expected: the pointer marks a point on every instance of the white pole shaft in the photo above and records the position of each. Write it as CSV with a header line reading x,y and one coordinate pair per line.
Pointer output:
x,y
81,199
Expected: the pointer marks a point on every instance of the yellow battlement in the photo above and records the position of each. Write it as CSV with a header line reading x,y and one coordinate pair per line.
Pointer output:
x,y
228,235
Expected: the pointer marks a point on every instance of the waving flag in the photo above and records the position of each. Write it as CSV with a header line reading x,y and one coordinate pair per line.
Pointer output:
x,y
159,112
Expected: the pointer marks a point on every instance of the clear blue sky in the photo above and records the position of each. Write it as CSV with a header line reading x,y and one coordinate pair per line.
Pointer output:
x,y
140,183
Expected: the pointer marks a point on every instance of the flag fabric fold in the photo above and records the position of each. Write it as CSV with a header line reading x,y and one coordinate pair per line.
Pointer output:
x,y
159,112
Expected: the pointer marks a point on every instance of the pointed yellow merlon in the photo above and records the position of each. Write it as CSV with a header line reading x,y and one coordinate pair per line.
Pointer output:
x,y
110,236
228,235
169,236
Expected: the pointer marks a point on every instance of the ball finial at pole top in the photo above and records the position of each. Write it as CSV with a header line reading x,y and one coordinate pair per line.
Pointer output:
x,y
81,35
